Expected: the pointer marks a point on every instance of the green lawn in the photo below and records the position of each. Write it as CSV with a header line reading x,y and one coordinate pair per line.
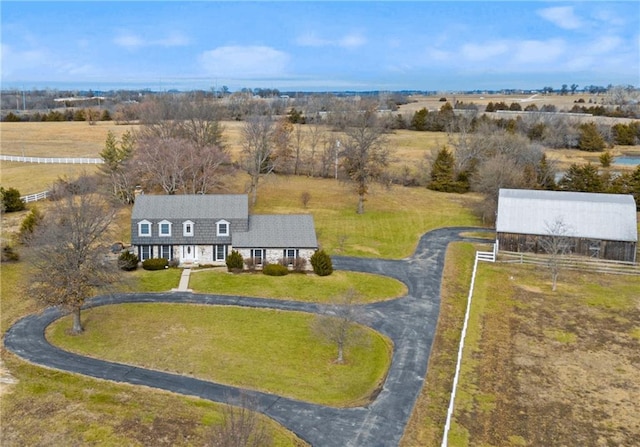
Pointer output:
x,y
391,226
153,280
299,287
268,350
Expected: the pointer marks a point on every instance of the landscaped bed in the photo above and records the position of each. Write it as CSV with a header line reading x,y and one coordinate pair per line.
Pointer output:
x,y
266,350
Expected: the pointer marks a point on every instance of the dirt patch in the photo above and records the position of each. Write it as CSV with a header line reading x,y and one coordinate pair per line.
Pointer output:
x,y
159,431
6,380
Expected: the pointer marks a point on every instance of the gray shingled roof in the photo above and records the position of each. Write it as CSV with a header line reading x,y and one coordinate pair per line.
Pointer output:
x,y
230,206
588,215
278,231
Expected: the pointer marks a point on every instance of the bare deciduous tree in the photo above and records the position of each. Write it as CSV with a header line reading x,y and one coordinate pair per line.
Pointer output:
x,y
365,154
241,426
315,136
179,165
338,326
556,243
258,151
68,251
298,140
159,163
283,148
199,122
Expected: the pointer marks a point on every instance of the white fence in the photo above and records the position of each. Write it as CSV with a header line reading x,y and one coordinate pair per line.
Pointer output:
x,y
35,197
488,256
568,262
52,160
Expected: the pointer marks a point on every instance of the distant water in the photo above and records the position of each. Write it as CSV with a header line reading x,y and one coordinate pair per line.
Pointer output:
x,y
627,160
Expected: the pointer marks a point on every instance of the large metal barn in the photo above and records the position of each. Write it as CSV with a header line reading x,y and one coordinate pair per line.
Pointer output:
x,y
603,226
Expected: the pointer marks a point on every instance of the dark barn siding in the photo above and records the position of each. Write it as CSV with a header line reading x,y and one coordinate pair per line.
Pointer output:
x,y
594,248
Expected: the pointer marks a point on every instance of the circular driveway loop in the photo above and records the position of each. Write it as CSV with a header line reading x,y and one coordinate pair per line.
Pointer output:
x,y
409,321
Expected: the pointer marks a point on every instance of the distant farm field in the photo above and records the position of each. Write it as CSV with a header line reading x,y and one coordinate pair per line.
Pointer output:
x,y
79,139
50,139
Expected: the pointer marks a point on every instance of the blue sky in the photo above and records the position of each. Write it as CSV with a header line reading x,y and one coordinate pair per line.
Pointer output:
x,y
317,46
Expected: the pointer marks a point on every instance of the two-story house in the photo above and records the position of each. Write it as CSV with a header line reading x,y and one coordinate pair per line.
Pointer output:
x,y
203,229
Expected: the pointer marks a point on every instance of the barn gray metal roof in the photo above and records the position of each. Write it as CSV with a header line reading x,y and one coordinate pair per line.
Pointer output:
x,y
206,206
587,215
277,231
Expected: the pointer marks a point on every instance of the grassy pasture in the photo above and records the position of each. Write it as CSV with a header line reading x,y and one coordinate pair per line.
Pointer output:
x,y
268,350
58,139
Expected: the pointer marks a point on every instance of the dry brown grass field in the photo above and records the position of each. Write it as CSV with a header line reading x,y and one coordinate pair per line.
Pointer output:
x,y
79,139
432,102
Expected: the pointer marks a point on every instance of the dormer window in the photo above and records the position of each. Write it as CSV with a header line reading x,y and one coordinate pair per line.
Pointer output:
x,y
222,228
144,228
187,228
164,228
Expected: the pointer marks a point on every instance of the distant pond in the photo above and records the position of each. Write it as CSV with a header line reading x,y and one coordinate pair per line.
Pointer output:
x,y
627,160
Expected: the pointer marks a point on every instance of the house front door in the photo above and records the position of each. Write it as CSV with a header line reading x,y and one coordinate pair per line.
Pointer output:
x,y
188,253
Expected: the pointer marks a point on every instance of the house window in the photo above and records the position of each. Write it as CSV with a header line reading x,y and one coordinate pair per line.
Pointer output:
x,y
164,228
258,256
290,255
187,228
144,228
165,251
145,252
222,228
220,252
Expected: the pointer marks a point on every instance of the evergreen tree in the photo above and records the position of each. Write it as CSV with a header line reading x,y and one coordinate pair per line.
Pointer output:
x,y
419,120
590,139
582,178
11,200
443,176
545,175
116,156
321,263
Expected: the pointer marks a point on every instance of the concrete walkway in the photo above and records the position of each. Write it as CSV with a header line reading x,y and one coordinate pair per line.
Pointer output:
x,y
409,321
184,281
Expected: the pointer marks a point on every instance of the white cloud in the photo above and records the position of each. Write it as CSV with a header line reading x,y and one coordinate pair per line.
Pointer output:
x,y
134,41
311,40
606,44
538,52
438,55
17,61
129,40
174,39
245,61
352,41
561,16
349,41
487,50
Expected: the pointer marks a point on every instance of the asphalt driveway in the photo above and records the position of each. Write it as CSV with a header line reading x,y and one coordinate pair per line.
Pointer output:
x,y
409,321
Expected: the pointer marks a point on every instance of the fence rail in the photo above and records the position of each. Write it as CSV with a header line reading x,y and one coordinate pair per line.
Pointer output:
x,y
35,197
52,160
487,256
572,263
